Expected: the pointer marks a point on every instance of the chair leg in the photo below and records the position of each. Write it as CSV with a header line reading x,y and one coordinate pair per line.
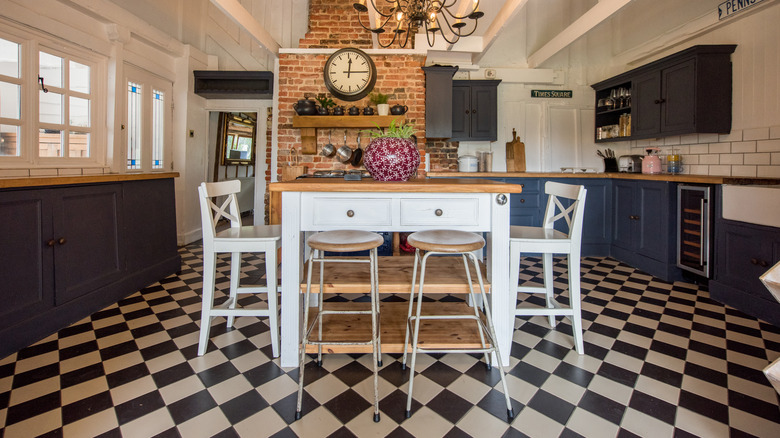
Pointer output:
x,y
273,307
514,274
209,272
321,298
375,270
575,301
235,280
547,264
304,340
411,306
492,332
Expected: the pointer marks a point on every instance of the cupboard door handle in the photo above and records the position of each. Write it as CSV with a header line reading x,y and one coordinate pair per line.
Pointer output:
x,y
659,101
763,263
350,213
62,241
51,242
438,212
467,111
473,111
522,200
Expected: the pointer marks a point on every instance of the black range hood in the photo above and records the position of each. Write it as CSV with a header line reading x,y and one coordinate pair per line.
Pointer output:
x,y
220,84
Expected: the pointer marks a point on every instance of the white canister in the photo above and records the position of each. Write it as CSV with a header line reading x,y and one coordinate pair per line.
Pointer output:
x,y
467,163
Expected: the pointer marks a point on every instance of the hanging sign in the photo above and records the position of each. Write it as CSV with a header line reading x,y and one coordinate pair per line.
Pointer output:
x,y
731,7
556,94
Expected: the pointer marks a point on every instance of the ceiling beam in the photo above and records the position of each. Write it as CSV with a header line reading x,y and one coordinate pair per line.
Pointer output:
x,y
242,17
507,13
590,19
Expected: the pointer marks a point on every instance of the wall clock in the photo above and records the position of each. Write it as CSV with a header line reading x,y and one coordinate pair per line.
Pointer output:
x,y
350,74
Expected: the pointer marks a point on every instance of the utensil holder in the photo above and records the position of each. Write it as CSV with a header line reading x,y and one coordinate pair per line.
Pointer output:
x,y
610,165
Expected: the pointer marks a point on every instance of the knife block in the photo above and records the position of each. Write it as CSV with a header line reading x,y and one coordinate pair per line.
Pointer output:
x,y
610,165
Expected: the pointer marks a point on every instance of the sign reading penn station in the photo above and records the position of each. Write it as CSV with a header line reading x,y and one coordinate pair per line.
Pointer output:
x,y
560,94
731,7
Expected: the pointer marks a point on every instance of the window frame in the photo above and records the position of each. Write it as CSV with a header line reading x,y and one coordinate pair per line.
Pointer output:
x,y
31,44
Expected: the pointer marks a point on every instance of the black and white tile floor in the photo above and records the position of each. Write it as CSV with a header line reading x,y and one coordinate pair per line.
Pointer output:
x,y
661,360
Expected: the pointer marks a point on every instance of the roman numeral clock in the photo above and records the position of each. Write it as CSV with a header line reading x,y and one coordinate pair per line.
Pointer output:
x,y
350,74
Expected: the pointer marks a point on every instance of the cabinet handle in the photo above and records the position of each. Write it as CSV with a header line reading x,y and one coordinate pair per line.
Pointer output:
x,y
634,217
659,101
522,186
62,241
438,212
473,111
467,111
51,242
350,213
763,263
522,200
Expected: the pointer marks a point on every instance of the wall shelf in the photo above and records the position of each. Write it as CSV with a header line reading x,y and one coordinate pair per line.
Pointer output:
x,y
309,125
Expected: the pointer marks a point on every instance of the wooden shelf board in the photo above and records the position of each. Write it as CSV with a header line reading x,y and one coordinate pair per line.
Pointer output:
x,y
360,121
433,334
443,274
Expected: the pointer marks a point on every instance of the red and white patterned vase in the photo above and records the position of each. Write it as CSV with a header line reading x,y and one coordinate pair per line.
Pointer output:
x,y
391,159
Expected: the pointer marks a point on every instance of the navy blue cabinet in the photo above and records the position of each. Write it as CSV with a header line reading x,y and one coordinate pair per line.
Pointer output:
x,y
597,224
643,226
475,110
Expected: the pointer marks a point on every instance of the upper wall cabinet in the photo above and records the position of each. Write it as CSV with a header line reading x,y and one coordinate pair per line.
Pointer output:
x,y
474,110
438,100
685,93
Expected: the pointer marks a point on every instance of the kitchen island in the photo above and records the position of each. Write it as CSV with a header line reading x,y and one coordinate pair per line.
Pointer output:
x,y
309,205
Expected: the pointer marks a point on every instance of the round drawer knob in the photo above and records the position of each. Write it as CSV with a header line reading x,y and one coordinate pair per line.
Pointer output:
x,y
51,242
522,200
350,213
439,212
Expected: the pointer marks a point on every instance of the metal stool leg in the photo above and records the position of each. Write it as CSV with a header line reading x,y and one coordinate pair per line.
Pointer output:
x,y
320,296
476,308
411,306
416,333
375,330
305,339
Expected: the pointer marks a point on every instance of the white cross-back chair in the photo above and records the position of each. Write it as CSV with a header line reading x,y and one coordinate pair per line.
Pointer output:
x,y
235,240
548,241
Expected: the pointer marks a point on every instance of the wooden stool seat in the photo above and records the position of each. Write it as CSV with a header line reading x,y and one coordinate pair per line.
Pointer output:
x,y
345,240
453,241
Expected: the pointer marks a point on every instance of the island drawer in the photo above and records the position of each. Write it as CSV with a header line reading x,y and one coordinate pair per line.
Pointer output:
x,y
323,211
426,211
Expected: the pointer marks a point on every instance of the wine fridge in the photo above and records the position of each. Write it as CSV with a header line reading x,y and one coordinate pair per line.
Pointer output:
x,y
694,212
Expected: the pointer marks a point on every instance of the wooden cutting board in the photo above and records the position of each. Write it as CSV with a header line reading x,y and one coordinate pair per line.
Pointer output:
x,y
515,154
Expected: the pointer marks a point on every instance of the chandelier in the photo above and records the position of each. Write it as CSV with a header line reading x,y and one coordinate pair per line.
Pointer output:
x,y
407,17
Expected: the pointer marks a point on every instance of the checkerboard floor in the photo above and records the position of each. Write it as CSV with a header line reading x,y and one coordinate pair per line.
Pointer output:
x,y
660,360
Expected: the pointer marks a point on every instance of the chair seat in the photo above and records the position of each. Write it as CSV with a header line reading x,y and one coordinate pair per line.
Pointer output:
x,y
536,233
252,232
345,240
454,241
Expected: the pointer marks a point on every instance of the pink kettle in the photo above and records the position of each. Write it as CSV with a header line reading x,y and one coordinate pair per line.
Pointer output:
x,y
651,163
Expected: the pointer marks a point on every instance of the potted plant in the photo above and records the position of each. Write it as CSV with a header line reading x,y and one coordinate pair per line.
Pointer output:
x,y
380,100
392,153
325,103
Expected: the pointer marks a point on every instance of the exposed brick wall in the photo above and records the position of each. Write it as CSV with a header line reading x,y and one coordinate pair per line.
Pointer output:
x,y
443,155
333,24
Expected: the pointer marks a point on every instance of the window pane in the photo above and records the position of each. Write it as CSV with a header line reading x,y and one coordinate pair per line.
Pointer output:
x,y
79,111
133,125
10,103
158,129
9,141
9,58
49,143
51,69
79,77
78,144
50,109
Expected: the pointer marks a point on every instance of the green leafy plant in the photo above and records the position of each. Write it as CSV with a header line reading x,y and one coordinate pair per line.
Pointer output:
x,y
401,130
377,98
325,101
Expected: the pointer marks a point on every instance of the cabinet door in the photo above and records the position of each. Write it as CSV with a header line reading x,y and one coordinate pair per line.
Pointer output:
x,y
525,209
461,112
87,222
678,85
646,105
26,272
652,234
740,252
623,214
483,112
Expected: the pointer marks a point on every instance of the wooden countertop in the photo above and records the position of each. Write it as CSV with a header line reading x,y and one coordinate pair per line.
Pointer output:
x,y
436,185
685,178
39,181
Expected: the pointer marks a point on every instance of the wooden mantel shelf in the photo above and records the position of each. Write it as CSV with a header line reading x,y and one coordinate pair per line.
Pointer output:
x,y
309,125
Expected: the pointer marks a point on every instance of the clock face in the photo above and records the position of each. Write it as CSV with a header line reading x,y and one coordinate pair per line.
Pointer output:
x,y
350,74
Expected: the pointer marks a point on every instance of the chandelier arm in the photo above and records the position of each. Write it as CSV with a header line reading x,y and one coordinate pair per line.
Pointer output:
x,y
369,28
446,8
455,33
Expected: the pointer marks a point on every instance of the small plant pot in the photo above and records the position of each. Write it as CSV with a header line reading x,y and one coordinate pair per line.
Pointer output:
x,y
383,109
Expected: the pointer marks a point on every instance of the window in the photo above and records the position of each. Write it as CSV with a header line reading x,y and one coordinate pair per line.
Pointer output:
x,y
49,113
148,119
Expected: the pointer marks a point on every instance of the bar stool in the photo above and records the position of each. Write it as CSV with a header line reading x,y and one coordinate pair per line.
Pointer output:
x,y
565,203
341,241
450,242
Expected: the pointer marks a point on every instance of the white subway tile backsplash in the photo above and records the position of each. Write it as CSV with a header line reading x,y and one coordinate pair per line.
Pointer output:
x,y
683,149
775,160
734,135
755,134
709,159
732,159
691,159
768,172
693,139
768,146
673,140
746,171
697,170
699,149
764,159
708,138
720,148
720,170
743,146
